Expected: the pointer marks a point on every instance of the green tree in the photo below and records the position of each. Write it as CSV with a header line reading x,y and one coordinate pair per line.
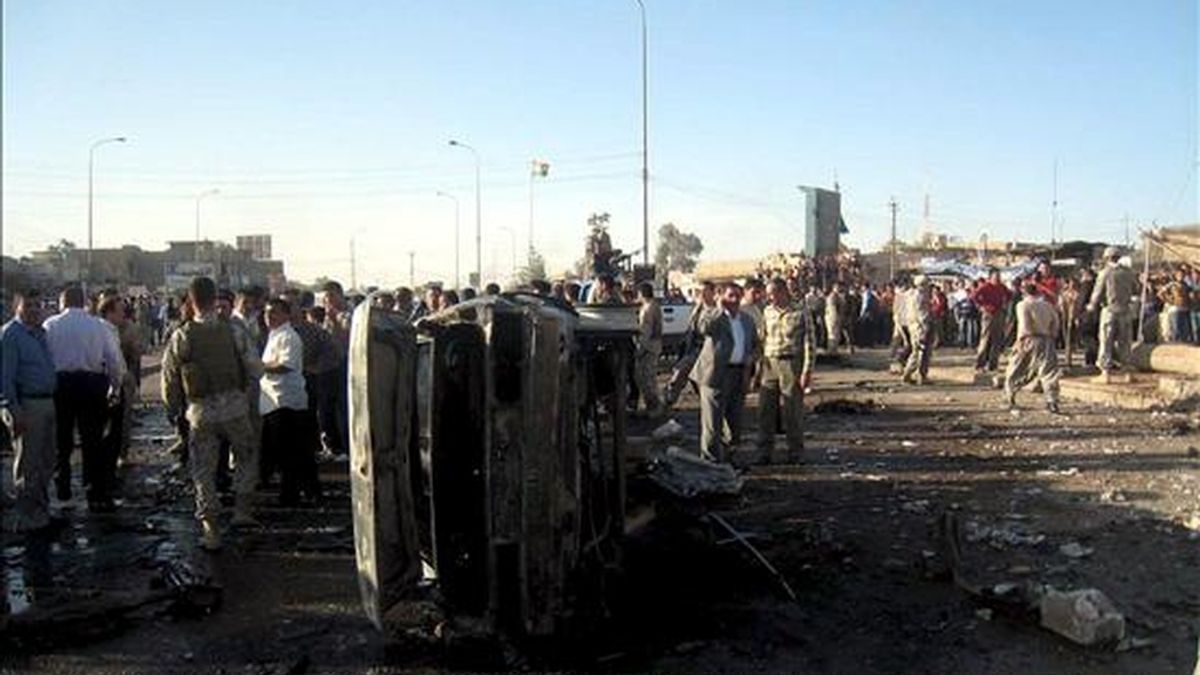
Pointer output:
x,y
533,270
677,250
62,249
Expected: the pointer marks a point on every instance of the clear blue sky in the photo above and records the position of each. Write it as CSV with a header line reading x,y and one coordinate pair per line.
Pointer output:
x,y
323,120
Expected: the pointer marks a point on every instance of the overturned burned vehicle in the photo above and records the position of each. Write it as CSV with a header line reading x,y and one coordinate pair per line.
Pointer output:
x,y
487,459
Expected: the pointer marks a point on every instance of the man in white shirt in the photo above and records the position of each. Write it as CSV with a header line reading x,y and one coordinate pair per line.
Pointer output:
x,y
89,366
283,402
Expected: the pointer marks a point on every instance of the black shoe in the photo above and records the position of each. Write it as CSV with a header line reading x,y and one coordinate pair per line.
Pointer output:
x,y
64,492
1053,409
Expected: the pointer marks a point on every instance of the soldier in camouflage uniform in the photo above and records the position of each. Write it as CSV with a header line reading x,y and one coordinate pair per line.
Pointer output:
x,y
788,356
208,362
920,332
1114,293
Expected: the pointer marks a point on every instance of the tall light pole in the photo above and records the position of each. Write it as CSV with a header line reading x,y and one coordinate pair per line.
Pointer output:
x,y
645,144
199,198
478,215
892,244
91,191
1054,207
445,195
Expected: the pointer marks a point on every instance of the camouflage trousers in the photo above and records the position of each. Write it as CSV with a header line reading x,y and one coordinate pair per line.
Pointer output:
x,y
205,453
921,336
1116,334
1033,358
645,372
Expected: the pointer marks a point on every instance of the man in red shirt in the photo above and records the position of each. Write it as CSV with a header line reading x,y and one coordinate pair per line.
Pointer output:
x,y
992,298
1047,283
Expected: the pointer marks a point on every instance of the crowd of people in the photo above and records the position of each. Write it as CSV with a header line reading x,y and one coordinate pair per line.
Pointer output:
x,y
74,372
255,384
848,311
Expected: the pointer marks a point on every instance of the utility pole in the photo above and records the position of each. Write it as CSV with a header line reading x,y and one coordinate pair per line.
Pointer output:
x,y
412,269
1125,220
353,265
1054,206
645,143
892,258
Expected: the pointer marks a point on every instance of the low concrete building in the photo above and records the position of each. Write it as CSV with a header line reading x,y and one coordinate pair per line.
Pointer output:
x,y
130,266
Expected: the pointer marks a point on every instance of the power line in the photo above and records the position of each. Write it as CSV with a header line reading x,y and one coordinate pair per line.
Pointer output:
x,y
368,173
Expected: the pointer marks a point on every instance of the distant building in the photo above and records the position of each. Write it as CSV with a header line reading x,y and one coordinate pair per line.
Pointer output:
x,y
130,266
258,245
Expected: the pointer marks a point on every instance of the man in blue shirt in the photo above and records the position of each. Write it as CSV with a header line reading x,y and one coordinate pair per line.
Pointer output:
x,y
28,381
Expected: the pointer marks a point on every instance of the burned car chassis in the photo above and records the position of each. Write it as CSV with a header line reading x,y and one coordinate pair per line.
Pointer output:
x,y
487,461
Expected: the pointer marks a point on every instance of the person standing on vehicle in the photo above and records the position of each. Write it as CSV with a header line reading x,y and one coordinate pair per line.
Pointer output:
x,y
89,365
789,353
27,382
1113,296
210,363
992,298
649,348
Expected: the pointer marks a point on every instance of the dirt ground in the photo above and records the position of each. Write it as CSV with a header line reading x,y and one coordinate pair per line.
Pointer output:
x,y
855,531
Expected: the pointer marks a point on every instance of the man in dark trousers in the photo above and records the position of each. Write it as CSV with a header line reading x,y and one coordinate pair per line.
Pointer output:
x,y
89,366
722,372
284,406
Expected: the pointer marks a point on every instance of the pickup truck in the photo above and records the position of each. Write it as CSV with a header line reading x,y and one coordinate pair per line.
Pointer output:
x,y
675,327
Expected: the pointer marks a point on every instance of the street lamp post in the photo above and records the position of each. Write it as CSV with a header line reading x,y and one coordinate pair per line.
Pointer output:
x,y
91,191
445,195
478,214
199,198
645,144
